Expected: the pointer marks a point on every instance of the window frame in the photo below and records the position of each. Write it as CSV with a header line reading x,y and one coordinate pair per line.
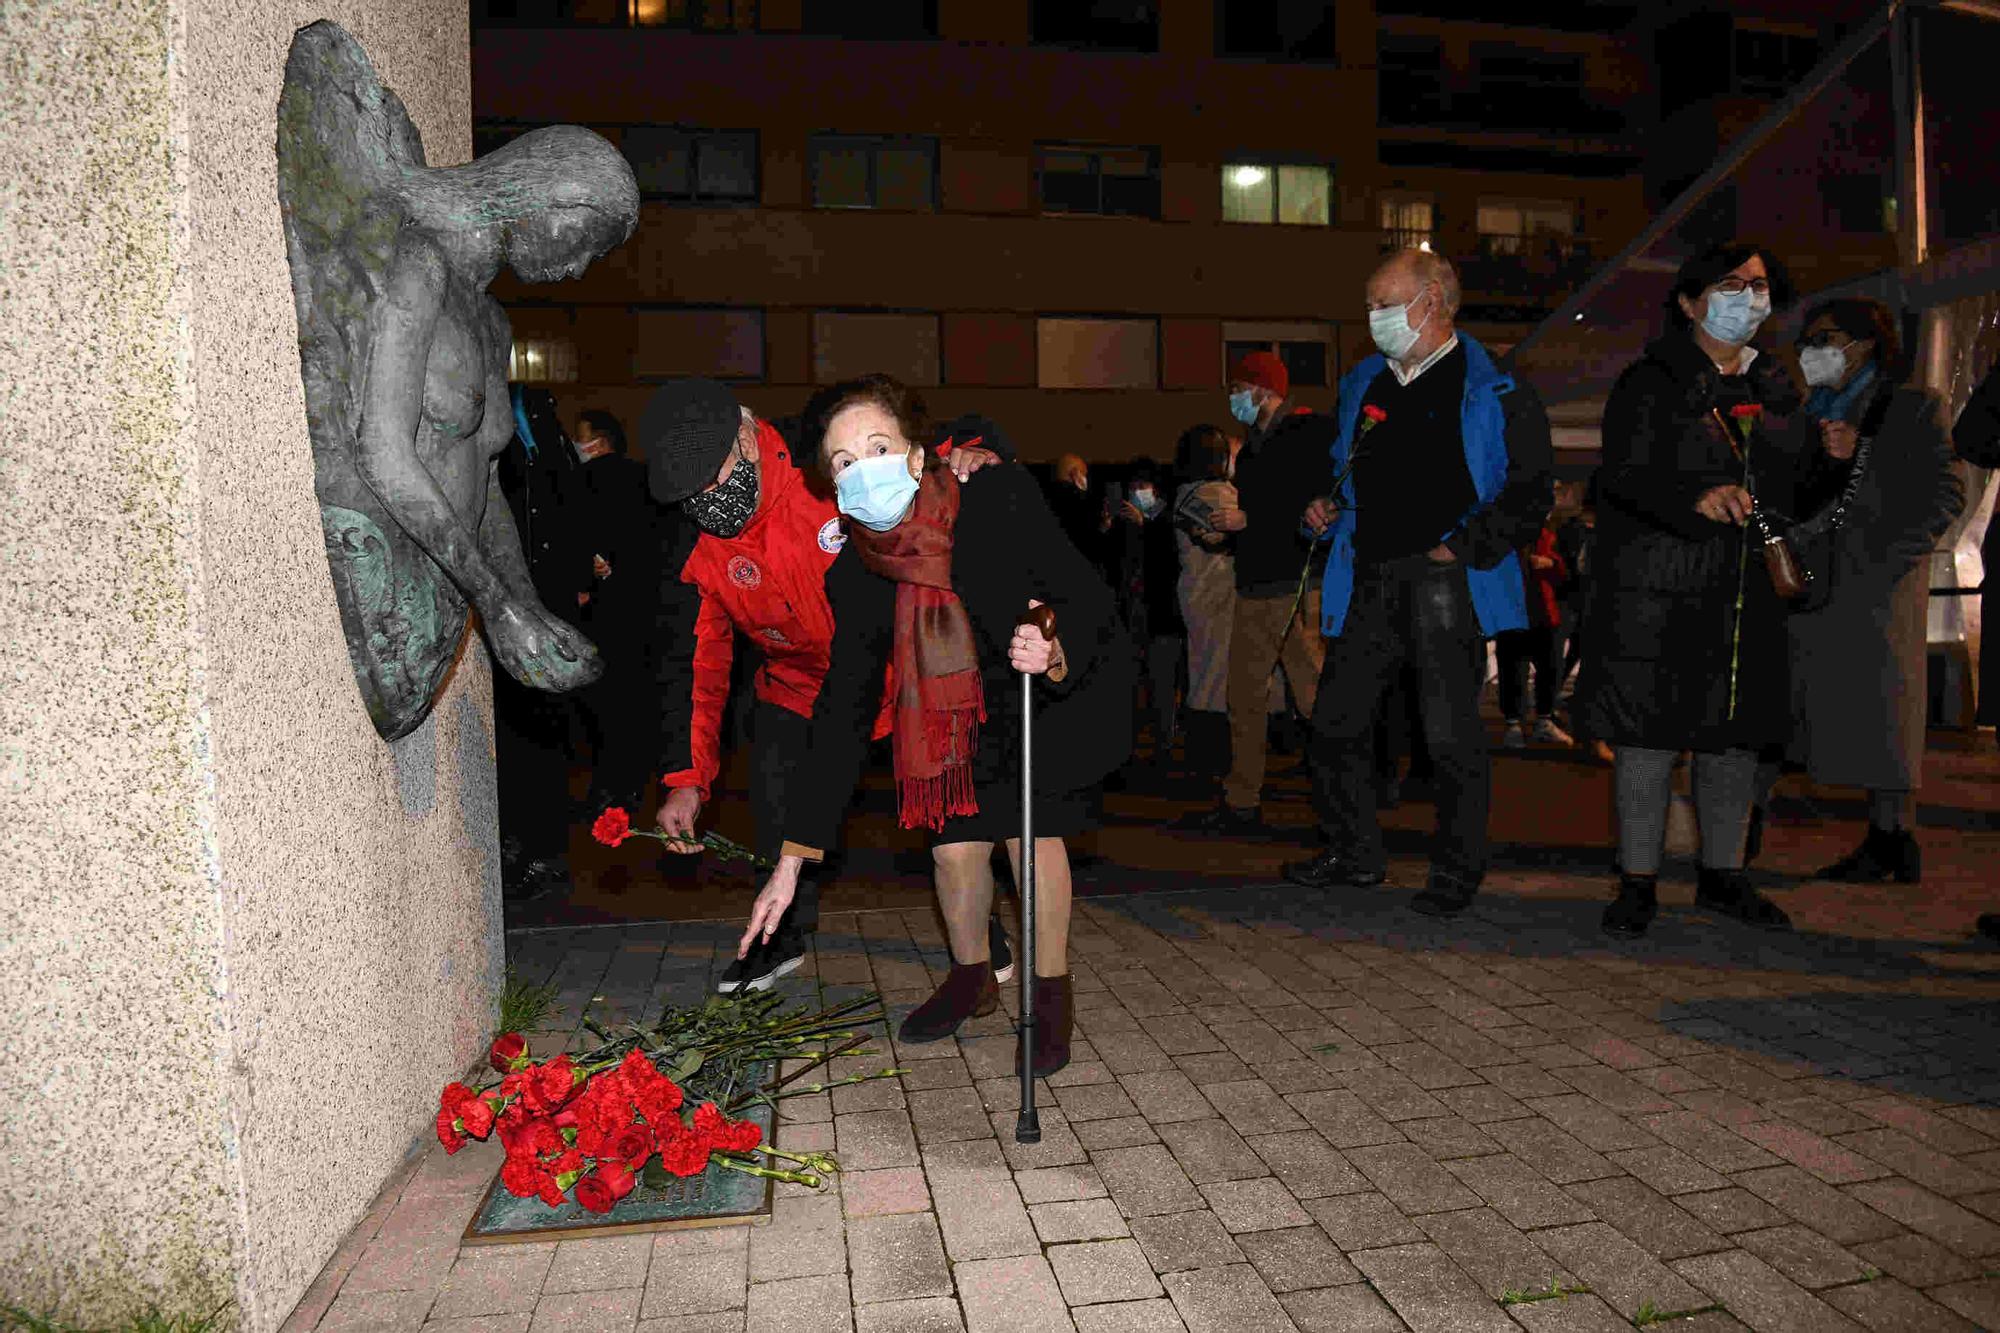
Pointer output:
x,y
838,373
1393,235
874,145
1276,165
695,135
1096,153
1042,319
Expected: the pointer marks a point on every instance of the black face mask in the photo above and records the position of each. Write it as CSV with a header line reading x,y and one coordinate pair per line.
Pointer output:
x,y
728,509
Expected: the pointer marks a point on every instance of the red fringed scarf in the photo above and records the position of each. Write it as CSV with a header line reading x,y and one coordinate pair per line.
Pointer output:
x,y
940,700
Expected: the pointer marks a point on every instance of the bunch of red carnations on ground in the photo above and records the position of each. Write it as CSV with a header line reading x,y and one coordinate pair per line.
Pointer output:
x,y
589,1130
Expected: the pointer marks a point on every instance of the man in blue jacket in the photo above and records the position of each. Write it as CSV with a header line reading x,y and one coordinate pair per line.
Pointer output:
x,y
1443,469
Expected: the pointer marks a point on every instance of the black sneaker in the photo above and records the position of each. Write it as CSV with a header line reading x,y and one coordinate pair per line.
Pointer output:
x,y
1331,868
1445,895
1002,953
1729,893
764,964
1226,821
532,879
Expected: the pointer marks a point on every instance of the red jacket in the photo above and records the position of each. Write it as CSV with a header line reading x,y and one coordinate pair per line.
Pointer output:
x,y
1545,585
768,582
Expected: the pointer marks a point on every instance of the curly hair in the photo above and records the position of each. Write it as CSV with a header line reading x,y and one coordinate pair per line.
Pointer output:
x,y
893,396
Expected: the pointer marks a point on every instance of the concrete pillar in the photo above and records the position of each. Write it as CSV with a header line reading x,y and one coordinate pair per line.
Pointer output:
x,y
242,940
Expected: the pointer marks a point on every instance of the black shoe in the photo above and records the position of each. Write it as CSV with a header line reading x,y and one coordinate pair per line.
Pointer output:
x,y
1638,902
764,964
1883,855
535,878
1729,893
1753,836
1002,954
1989,926
1445,895
1329,869
1226,821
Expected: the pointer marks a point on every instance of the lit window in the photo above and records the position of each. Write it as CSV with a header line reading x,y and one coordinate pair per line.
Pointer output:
x,y
701,15
693,166
1512,226
538,360
1113,181
856,171
1097,354
1269,192
1305,348
1408,222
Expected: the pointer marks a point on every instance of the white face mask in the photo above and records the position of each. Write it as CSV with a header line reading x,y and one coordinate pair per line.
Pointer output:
x,y
1824,366
1390,328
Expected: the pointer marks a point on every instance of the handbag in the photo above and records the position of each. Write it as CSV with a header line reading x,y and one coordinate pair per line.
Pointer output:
x,y
1790,579
1815,540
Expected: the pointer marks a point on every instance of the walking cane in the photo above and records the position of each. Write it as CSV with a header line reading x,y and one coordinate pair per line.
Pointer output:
x,y
1028,1128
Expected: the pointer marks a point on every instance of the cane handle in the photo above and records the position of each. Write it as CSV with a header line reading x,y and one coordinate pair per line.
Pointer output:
x,y
1042,618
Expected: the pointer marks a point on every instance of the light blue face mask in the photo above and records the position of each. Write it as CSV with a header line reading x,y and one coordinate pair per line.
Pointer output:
x,y
876,492
1733,317
1146,502
1243,406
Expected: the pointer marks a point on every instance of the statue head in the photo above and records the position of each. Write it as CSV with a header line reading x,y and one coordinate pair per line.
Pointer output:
x,y
559,197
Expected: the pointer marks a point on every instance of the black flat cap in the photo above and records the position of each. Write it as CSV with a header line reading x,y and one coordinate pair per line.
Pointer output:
x,y
686,431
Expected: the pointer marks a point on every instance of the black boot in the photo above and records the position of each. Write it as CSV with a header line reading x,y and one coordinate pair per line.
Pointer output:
x,y
1729,892
1883,855
1753,836
1331,868
969,992
1633,910
1055,1015
1445,895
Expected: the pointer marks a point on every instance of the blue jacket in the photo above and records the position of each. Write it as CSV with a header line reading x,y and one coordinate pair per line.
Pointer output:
x,y
1498,596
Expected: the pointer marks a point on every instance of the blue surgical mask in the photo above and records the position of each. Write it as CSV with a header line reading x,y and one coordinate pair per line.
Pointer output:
x,y
1243,406
1390,328
1146,502
1733,317
876,492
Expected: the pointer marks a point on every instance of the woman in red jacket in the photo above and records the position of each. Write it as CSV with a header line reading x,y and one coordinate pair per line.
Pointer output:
x,y
759,568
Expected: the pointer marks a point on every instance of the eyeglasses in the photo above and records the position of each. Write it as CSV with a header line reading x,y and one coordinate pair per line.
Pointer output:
x,y
1824,338
1737,286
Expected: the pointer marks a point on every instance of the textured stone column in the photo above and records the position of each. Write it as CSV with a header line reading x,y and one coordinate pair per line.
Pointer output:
x,y
242,940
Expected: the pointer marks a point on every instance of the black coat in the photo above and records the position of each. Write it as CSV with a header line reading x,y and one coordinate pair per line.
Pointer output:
x,y
1006,549
1977,436
1859,691
1664,588
1280,471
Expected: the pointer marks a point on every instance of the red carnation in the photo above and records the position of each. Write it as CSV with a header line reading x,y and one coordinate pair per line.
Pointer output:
x,y
1749,410
593,1193
631,1146
550,1085
616,1177
453,1094
552,1192
683,1153
508,1052
1374,413
476,1114
447,1129
523,1178
612,827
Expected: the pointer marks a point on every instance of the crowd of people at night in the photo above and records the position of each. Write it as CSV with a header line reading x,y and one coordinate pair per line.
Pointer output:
x,y
1737,586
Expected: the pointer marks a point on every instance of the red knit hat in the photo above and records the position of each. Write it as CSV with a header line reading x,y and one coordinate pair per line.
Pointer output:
x,y
1262,369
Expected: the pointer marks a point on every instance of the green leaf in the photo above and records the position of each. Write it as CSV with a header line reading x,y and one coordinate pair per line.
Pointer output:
x,y
655,1176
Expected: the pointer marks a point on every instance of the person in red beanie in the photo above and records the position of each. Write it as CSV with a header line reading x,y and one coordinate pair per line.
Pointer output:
x,y
1282,465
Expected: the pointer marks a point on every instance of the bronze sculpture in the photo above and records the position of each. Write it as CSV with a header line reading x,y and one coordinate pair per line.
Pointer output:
x,y
404,358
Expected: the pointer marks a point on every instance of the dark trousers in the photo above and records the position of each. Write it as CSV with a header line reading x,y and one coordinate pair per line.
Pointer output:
x,y
531,744
1408,611
1518,650
780,744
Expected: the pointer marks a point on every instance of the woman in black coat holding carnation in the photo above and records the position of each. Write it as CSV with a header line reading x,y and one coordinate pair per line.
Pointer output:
x,y
1685,634
931,583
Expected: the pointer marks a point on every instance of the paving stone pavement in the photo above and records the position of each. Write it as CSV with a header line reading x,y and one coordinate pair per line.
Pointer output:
x,y
1294,1110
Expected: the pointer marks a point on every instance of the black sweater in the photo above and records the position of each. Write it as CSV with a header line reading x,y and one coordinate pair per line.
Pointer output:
x,y
1006,548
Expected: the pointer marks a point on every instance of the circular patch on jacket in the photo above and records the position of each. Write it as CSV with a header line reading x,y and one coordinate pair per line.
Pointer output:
x,y
743,572
831,538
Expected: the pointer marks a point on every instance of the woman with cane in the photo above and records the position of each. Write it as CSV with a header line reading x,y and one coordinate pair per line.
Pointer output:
x,y
934,582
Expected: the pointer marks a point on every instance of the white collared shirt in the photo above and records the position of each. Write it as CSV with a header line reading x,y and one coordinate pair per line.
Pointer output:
x,y
1404,377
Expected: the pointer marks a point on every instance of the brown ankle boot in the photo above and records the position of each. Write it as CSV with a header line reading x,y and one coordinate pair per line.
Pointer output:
x,y
968,992
1055,1011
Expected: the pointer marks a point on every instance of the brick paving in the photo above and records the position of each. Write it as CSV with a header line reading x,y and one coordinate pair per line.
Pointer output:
x,y
1312,1111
